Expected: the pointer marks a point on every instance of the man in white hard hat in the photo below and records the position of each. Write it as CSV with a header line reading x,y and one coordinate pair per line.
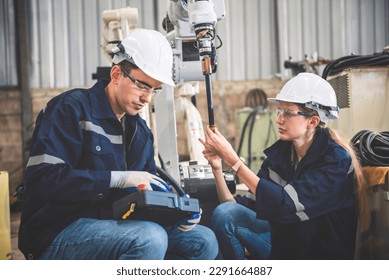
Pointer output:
x,y
302,202
89,147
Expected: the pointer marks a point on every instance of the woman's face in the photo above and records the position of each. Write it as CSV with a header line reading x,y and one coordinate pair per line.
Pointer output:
x,y
293,124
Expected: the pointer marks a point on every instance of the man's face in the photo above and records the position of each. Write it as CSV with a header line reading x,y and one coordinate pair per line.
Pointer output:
x,y
134,90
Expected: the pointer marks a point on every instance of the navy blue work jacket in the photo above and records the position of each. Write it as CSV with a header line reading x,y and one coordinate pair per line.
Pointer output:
x,y
311,208
77,142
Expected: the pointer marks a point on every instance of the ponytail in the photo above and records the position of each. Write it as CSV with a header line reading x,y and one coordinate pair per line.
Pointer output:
x,y
359,179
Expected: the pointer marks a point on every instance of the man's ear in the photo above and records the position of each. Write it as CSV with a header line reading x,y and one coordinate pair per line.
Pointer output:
x,y
115,73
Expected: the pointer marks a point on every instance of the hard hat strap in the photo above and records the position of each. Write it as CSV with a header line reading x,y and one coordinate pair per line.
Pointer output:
x,y
121,48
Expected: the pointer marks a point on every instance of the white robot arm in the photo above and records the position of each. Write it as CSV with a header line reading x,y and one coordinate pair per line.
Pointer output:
x,y
191,33
117,25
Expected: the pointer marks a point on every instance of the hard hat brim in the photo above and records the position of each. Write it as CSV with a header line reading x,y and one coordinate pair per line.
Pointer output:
x,y
165,80
274,99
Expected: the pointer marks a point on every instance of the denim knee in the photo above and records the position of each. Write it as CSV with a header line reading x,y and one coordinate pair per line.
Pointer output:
x,y
151,241
222,214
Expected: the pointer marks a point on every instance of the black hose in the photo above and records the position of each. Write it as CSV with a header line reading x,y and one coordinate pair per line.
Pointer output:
x,y
372,147
271,128
257,99
243,132
256,111
169,179
336,66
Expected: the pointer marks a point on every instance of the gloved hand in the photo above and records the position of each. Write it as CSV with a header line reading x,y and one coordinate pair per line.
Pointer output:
x,y
188,223
131,180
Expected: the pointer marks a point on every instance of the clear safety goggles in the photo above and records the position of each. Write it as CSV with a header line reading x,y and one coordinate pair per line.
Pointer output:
x,y
288,114
142,86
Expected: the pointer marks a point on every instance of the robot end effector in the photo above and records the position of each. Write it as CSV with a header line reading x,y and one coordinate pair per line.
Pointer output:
x,y
203,17
197,20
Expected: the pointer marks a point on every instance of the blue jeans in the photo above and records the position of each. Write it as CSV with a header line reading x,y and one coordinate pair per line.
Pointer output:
x,y
236,228
124,240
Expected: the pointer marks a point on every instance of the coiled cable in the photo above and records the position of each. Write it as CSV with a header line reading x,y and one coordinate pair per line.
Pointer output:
x,y
372,147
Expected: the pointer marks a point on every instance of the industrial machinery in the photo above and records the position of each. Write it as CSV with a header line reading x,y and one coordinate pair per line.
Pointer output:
x,y
257,128
308,64
361,84
191,123
117,25
191,27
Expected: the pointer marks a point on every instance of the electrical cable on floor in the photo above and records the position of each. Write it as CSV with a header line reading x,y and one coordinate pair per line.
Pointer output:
x,y
372,147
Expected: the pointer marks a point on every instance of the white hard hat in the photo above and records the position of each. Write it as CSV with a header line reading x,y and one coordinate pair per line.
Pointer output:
x,y
150,51
313,92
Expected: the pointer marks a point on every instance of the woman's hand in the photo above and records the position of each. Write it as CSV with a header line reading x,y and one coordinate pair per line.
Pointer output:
x,y
214,160
217,145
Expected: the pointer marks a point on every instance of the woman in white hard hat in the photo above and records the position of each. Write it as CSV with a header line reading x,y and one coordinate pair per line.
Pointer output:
x,y
90,147
304,196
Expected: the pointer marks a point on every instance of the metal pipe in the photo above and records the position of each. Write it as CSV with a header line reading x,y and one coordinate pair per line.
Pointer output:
x,y
208,87
24,60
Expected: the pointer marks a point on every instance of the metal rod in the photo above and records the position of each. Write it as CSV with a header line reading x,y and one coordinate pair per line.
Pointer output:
x,y
208,87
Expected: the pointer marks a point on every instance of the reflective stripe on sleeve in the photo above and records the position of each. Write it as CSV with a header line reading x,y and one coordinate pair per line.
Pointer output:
x,y
291,192
277,178
89,126
45,158
299,207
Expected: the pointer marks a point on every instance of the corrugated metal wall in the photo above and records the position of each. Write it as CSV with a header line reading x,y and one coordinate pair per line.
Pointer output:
x,y
67,38
8,75
258,35
332,28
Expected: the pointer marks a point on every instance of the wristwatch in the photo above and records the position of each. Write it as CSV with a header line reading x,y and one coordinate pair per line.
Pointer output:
x,y
238,164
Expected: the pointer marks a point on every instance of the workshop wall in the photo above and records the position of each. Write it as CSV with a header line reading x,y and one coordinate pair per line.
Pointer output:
x,y
258,36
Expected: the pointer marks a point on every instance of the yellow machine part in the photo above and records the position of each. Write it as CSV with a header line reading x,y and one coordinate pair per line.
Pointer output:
x,y
372,243
5,223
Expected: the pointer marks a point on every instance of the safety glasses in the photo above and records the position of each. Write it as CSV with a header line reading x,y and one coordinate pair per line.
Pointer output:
x,y
142,86
288,114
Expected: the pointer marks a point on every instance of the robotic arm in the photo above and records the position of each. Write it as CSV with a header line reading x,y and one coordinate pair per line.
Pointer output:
x,y
203,18
117,25
191,32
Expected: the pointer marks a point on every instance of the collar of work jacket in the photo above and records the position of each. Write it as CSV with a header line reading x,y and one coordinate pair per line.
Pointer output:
x,y
281,150
101,108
